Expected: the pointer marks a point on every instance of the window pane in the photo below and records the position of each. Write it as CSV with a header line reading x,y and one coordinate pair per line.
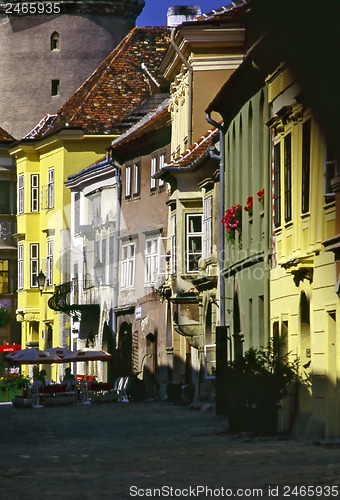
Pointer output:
x,y
128,181
153,171
330,171
21,194
4,276
277,184
288,178
195,223
76,212
305,165
4,197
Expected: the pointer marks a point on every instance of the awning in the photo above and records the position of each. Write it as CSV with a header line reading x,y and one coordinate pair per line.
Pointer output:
x,y
10,347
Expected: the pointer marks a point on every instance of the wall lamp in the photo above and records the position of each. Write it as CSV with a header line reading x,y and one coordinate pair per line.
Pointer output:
x,y
41,283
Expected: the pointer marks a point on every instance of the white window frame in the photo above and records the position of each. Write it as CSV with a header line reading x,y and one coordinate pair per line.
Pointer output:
x,y
153,171
76,212
331,171
128,172
188,236
21,194
128,265
160,166
111,259
164,255
104,260
20,267
136,178
207,227
173,244
50,189
34,192
49,263
151,260
34,264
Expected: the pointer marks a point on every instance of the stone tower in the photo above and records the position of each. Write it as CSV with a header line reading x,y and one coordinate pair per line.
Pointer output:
x,y
45,56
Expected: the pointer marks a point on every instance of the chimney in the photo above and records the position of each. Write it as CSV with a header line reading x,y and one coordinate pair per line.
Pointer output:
x,y
178,14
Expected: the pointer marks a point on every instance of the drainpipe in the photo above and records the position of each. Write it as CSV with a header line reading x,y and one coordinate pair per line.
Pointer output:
x,y
190,70
221,214
116,252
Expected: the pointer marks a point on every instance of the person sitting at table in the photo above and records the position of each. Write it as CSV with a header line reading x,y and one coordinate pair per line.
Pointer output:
x,y
41,377
38,379
70,380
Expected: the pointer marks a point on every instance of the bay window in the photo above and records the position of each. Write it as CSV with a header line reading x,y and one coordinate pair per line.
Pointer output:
x,y
194,240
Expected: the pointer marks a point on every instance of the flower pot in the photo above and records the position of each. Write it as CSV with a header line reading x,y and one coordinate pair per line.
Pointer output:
x,y
6,395
22,402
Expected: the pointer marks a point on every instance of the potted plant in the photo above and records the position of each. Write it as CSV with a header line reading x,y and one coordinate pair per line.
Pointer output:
x,y
260,196
232,221
12,384
255,384
249,206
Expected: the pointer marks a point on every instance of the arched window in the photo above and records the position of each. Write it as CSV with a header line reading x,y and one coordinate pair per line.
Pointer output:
x,y
55,41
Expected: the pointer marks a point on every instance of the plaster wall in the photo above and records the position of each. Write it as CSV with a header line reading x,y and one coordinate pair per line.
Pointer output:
x,y
28,65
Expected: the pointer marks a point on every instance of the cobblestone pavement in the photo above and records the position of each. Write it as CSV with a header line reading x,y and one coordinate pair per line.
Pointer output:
x,y
122,451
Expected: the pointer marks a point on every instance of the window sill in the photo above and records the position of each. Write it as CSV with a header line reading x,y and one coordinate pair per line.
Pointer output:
x,y
329,204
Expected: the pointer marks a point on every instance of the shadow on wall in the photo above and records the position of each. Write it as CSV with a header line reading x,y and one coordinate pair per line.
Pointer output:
x,y
172,382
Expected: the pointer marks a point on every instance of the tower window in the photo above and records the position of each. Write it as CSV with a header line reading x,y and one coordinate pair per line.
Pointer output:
x,y
55,87
55,41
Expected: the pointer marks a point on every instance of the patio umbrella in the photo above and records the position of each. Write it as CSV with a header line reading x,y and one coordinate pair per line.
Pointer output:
x,y
61,352
87,354
32,357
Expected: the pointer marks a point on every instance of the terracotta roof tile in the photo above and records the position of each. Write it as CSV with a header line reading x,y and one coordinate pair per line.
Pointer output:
x,y
151,122
5,137
196,151
114,88
234,10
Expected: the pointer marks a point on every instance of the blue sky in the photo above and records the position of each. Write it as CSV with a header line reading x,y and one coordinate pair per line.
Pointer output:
x,y
154,12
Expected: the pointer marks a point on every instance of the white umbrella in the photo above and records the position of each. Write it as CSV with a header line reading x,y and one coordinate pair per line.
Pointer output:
x,y
61,352
32,357
87,354
84,355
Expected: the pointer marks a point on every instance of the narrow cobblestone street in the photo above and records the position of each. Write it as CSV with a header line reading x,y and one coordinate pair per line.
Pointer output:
x,y
122,451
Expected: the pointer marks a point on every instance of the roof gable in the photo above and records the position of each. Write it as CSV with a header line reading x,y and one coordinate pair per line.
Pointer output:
x,y
5,137
118,84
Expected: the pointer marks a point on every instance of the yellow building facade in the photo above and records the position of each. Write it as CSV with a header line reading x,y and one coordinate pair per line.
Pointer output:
x,y
304,304
43,206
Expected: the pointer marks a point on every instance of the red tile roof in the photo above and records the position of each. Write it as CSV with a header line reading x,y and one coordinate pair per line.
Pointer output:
x,y
196,151
151,122
234,10
114,88
5,137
